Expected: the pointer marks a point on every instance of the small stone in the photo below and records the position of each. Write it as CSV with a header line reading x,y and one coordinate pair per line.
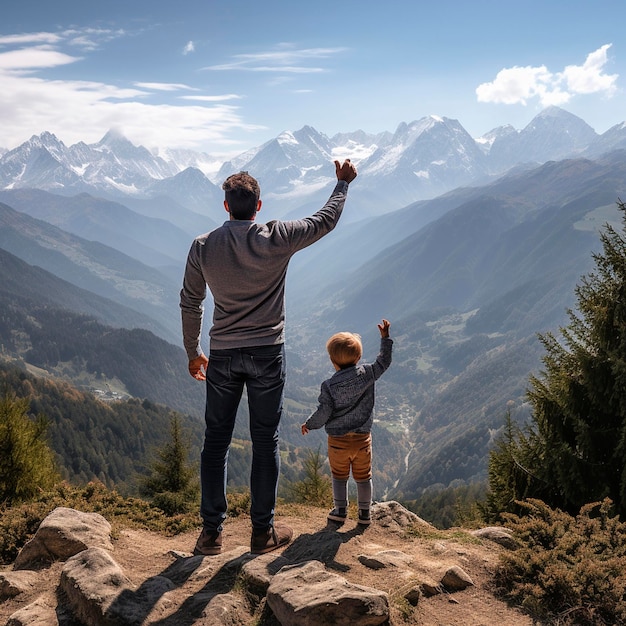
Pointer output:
x,y
456,579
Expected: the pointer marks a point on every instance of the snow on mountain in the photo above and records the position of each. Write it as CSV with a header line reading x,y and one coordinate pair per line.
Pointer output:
x,y
358,146
425,158
288,165
487,140
41,162
121,159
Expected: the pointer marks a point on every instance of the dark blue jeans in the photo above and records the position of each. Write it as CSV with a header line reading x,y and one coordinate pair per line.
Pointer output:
x,y
262,370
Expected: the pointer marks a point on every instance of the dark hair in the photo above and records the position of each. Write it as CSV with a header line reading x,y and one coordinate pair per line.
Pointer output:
x,y
242,192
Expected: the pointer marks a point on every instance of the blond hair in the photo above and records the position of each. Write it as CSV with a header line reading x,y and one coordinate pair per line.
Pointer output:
x,y
344,349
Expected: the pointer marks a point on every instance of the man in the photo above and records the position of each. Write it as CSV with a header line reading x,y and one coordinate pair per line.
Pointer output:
x,y
244,264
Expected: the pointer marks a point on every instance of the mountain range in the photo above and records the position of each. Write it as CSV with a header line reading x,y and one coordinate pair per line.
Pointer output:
x,y
420,160
470,248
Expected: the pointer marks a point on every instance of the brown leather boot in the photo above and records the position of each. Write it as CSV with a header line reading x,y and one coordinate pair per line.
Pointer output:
x,y
270,539
209,542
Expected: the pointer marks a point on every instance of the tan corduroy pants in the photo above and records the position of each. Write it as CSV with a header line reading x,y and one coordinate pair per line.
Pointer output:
x,y
350,451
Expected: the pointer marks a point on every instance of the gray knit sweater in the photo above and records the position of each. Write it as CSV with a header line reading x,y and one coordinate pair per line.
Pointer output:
x,y
346,401
244,264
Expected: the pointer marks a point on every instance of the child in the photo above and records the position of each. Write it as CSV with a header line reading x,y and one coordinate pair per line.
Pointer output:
x,y
346,409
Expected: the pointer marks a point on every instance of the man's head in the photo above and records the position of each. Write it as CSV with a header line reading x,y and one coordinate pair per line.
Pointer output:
x,y
241,197
344,349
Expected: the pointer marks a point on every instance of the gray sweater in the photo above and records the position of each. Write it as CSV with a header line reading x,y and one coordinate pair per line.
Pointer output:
x,y
346,401
244,264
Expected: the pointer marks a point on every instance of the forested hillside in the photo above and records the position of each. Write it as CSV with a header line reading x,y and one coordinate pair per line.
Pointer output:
x,y
93,439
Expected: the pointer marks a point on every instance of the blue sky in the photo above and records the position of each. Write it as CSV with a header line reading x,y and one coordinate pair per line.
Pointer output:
x,y
222,77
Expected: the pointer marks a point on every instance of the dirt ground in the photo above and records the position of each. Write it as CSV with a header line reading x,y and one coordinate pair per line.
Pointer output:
x,y
142,555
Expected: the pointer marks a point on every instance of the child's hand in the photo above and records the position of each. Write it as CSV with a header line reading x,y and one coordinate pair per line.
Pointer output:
x,y
384,328
304,429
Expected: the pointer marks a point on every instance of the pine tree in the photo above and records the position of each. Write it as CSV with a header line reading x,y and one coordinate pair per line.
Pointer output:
x,y
27,463
512,463
173,484
315,488
578,426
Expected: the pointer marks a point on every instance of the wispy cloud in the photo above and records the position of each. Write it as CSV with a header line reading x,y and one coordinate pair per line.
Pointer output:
x,y
91,38
221,98
286,58
165,86
189,48
518,85
78,110
30,38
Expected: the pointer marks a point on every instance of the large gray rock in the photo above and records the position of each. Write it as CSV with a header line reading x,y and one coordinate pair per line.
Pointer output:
x,y
257,574
307,595
62,534
92,581
497,534
385,558
393,515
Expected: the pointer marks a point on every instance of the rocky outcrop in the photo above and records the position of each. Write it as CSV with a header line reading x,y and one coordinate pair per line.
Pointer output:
x,y
64,533
308,595
303,585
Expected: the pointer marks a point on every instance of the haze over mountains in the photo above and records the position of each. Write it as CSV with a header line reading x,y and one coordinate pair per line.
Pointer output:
x,y
470,247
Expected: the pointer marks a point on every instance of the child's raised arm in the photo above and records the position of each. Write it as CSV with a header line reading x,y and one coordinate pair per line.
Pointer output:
x,y
384,328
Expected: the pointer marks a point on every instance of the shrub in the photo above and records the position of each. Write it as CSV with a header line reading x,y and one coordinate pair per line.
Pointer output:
x,y
19,523
567,570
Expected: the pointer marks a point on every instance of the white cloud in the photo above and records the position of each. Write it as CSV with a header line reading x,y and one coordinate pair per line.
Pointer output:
x,y
517,85
189,48
39,57
589,77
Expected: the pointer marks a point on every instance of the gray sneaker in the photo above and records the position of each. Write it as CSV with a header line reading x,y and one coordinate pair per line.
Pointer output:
x,y
209,543
272,538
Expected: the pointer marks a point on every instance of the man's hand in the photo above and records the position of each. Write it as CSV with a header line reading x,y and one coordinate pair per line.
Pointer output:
x,y
345,171
304,429
384,328
198,367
